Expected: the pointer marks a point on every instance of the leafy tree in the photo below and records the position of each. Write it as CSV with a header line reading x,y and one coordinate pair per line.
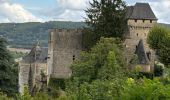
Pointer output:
x,y
159,40
99,73
156,37
8,71
98,64
105,18
164,51
145,89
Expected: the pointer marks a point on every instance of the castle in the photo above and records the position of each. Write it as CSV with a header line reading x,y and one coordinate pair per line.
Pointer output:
x,y
65,46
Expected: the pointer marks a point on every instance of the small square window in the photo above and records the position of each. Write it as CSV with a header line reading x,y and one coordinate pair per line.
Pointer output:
x,y
143,21
136,20
150,21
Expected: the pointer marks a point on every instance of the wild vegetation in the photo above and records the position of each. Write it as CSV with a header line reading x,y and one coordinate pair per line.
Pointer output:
x,y
102,72
159,40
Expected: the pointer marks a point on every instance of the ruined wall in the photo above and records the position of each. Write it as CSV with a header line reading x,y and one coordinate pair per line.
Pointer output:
x,y
66,47
23,75
50,55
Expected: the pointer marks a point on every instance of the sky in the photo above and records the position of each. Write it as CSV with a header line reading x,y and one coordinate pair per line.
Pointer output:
x,y
19,11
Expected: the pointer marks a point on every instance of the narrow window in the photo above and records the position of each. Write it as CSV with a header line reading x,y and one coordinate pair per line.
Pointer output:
x,y
73,57
137,34
150,21
143,21
136,20
149,55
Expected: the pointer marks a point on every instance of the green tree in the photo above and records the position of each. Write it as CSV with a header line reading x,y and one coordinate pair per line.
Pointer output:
x,y
8,71
159,40
156,37
105,18
164,51
99,60
100,72
145,89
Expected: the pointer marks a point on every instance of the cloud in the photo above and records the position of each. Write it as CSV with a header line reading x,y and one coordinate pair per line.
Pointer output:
x,y
160,8
66,10
15,13
69,15
73,4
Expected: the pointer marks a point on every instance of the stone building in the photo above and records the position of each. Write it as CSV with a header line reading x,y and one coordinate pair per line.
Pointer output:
x,y
33,69
65,46
140,19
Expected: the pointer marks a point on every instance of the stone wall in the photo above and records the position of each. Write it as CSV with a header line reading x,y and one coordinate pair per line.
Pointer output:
x,y
23,75
65,46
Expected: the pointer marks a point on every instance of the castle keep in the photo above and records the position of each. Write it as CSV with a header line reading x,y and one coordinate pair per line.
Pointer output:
x,y
140,19
65,46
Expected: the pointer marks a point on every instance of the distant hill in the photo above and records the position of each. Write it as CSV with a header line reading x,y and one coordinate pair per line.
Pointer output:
x,y
166,25
25,35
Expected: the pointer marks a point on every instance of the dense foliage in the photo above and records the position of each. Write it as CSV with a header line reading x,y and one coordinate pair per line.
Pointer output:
x,y
100,75
159,40
105,18
8,71
101,62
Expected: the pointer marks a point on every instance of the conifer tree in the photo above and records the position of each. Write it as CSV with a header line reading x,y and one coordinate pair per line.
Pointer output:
x,y
105,18
8,71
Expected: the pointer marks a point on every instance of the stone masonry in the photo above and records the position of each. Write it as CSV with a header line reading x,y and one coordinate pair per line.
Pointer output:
x,y
65,46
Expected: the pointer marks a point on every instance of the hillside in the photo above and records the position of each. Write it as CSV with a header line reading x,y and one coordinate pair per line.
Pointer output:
x,y
24,35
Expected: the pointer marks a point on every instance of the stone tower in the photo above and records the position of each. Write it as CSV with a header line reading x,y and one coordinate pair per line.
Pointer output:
x,y
65,46
140,19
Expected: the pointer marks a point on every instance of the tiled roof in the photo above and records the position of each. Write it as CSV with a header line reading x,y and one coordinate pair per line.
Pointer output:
x,y
140,11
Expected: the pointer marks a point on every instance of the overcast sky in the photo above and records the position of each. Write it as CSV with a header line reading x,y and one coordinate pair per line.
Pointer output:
x,y
64,10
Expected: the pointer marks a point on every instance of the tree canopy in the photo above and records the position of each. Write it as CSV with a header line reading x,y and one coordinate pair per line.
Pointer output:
x,y
159,40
